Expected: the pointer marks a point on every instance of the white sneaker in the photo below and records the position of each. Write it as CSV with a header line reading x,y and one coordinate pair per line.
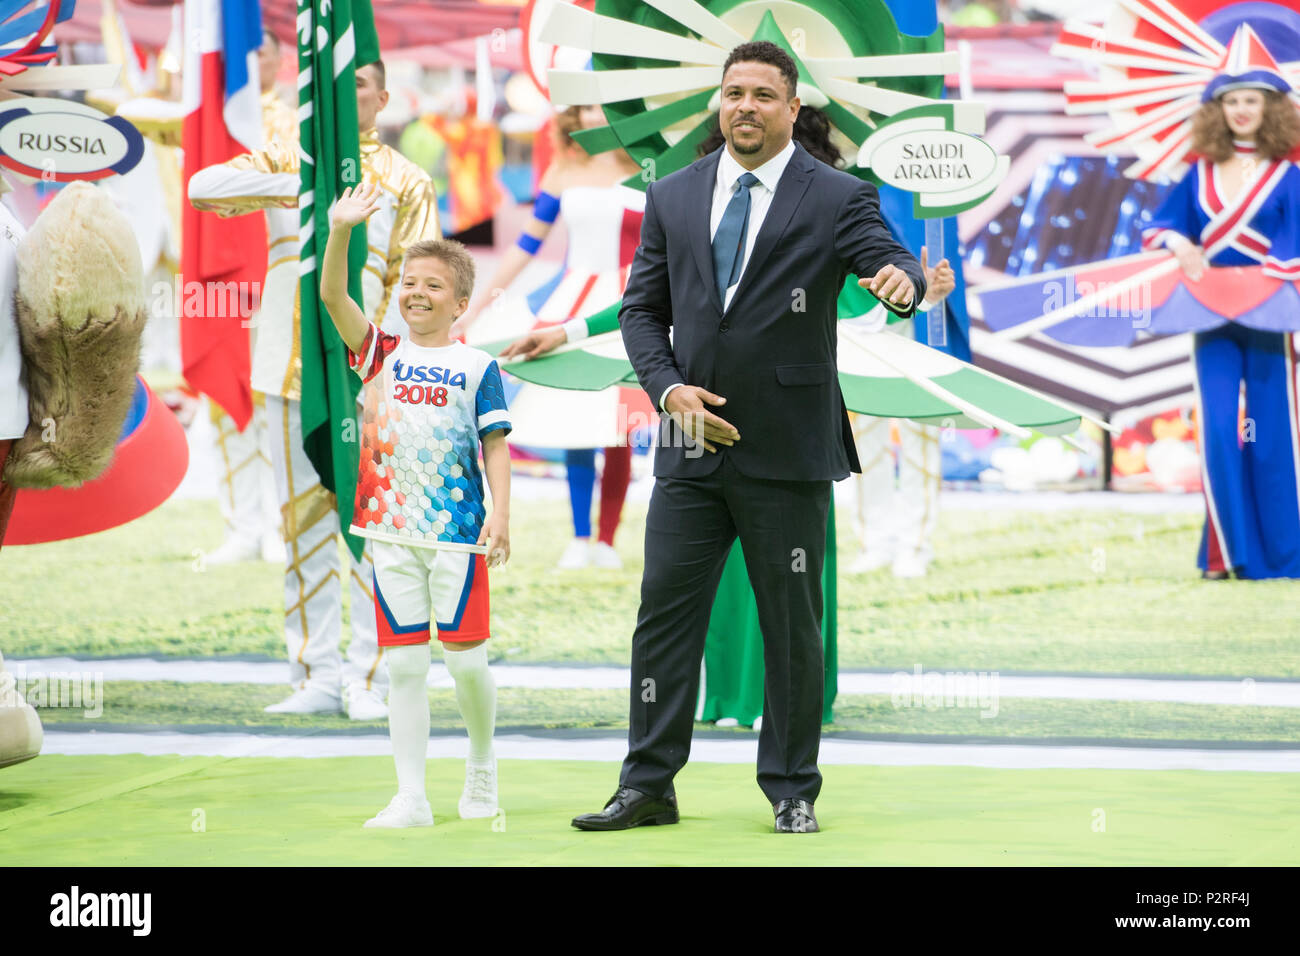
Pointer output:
x,y
910,566
576,556
309,700
273,548
868,561
480,796
404,810
233,551
364,704
603,556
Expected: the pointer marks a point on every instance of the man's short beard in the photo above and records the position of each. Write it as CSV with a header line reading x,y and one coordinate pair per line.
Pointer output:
x,y
746,150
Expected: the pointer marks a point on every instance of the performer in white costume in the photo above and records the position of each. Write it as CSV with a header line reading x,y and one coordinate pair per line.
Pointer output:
x,y
895,521
603,223
248,490
269,179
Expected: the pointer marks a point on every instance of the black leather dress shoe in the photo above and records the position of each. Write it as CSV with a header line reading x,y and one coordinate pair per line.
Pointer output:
x,y
630,808
794,816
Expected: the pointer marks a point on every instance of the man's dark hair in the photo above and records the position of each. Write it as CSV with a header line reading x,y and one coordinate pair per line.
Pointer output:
x,y
379,68
762,51
812,131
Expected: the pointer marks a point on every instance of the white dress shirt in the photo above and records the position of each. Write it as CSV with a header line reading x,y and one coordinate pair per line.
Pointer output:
x,y
760,200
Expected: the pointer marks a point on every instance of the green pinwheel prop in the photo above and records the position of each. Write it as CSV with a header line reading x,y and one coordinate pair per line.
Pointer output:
x,y
889,376
656,66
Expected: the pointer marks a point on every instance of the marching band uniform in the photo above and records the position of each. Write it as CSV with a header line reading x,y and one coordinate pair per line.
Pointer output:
x,y
269,179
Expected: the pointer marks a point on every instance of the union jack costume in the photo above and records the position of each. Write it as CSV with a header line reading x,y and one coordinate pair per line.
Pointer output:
x,y
1245,309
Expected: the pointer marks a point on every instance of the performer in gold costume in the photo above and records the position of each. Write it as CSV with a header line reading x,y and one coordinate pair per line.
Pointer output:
x,y
247,488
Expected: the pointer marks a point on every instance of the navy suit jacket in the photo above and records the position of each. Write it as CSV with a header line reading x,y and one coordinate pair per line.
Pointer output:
x,y
772,355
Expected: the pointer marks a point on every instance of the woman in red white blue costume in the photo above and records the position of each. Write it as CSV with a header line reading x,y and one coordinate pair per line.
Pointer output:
x,y
1239,205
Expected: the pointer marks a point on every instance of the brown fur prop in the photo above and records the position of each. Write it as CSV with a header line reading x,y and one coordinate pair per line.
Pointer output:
x,y
81,309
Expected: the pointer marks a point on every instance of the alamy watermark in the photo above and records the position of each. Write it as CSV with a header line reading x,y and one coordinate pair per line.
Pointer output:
x,y
935,689
630,421
1100,300
209,300
83,690
128,910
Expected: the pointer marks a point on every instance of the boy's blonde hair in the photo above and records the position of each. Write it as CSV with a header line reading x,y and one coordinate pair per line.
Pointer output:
x,y
454,255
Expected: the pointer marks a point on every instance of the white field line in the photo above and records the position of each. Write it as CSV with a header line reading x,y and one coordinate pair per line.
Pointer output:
x,y
1244,692
742,751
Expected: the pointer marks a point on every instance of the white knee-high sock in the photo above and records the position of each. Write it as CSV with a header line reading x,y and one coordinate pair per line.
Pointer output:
x,y
476,693
408,713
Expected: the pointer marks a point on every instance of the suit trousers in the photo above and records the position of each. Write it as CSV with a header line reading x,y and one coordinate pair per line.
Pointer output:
x,y
691,525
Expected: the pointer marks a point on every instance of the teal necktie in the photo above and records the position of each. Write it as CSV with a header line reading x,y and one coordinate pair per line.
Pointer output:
x,y
729,240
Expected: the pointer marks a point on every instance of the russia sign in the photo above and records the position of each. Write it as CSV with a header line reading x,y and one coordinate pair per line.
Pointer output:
x,y
62,141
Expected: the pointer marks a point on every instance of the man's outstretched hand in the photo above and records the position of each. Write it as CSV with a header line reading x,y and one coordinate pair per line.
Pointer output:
x,y
891,284
687,406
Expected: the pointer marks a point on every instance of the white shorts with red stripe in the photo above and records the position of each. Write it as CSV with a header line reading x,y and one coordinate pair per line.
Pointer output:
x,y
422,590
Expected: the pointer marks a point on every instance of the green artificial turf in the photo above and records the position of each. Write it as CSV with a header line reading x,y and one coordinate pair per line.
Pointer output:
x,y
1049,592
133,810
140,704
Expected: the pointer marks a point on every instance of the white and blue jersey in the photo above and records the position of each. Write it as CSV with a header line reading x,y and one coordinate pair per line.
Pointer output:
x,y
425,411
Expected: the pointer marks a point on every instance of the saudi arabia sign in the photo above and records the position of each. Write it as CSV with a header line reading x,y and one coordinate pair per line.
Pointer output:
x,y
934,152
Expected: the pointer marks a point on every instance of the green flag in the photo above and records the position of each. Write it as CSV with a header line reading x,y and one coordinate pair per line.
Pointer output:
x,y
334,37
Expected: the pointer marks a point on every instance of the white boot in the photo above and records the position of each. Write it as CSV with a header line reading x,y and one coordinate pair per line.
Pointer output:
x,y
309,700
364,704
232,551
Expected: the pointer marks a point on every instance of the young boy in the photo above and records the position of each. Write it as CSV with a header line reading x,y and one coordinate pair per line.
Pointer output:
x,y
429,402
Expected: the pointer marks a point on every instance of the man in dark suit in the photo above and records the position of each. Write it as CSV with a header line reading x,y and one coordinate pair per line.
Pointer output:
x,y
742,256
